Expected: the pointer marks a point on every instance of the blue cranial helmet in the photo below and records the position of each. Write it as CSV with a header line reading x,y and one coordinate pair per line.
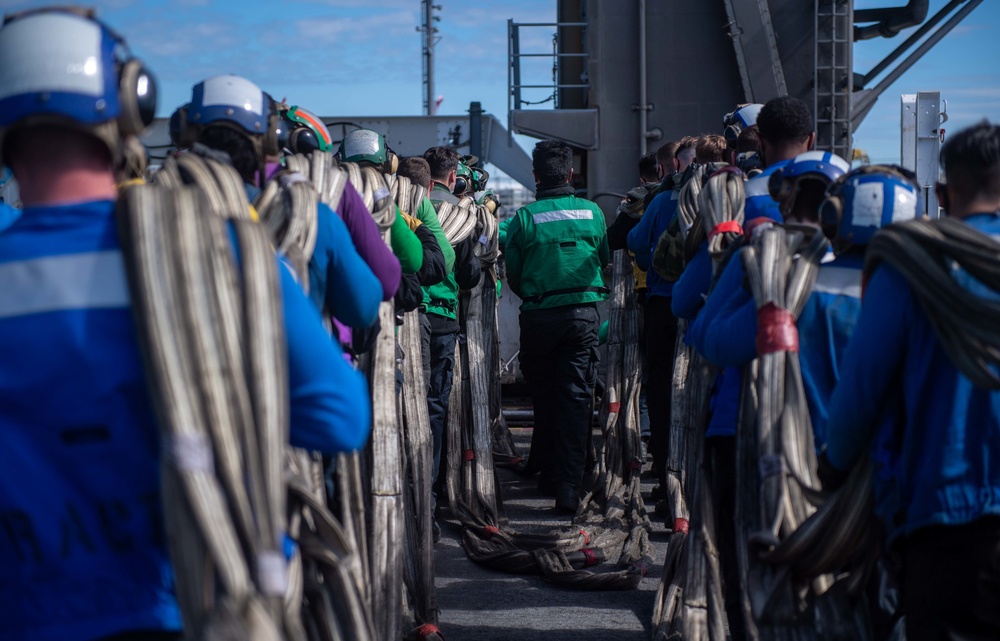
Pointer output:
x,y
63,66
228,101
739,119
822,166
868,198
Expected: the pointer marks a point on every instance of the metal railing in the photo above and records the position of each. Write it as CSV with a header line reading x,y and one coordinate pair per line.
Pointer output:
x,y
515,98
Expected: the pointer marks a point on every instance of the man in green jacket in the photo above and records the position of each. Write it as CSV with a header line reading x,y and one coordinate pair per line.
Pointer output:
x,y
556,250
439,324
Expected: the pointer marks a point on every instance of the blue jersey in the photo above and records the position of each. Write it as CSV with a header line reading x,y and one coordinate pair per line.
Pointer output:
x,y
339,277
8,215
726,330
83,551
691,289
936,436
644,236
691,292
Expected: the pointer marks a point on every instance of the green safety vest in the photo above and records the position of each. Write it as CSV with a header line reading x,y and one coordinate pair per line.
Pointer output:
x,y
556,250
442,298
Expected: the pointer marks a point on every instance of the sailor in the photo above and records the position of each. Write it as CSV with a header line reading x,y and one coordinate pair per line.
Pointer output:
x,y
232,115
83,552
933,434
710,148
480,179
785,129
746,155
630,210
365,146
726,329
439,325
556,250
368,149
439,256
302,132
661,324
739,120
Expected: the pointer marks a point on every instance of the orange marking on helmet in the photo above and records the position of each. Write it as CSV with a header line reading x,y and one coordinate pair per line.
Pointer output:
x,y
316,123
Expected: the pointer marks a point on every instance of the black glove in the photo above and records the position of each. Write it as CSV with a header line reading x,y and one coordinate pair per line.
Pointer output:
x,y
409,296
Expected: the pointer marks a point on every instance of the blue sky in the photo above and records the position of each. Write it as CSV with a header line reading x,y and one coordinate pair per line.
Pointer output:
x,y
349,57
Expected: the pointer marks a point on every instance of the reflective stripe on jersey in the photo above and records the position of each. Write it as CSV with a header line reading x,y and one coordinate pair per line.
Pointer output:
x,y
93,280
562,214
843,281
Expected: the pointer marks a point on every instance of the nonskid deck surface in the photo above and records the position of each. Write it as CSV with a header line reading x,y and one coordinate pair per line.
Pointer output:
x,y
480,604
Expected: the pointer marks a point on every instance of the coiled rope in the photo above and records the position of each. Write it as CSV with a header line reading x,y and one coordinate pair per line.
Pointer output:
x,y
406,195
689,599
287,207
721,205
928,254
711,206
776,441
328,178
419,462
667,603
688,202
218,378
468,218
323,567
374,190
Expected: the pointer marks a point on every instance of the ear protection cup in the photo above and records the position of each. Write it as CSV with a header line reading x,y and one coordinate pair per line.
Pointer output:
x,y
270,145
391,160
137,96
831,210
776,185
182,134
461,186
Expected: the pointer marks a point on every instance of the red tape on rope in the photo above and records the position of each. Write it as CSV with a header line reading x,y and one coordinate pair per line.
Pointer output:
x,y
751,225
590,556
470,455
722,228
427,630
681,525
614,407
776,331
491,529
586,537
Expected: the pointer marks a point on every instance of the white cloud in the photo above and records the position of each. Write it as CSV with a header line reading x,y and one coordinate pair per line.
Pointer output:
x,y
377,31
353,4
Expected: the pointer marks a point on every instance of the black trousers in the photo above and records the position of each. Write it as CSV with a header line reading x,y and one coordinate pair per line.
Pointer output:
x,y
661,334
438,354
720,467
951,582
559,362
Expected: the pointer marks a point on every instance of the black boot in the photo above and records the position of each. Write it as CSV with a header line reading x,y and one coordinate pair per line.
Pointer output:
x,y
567,498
